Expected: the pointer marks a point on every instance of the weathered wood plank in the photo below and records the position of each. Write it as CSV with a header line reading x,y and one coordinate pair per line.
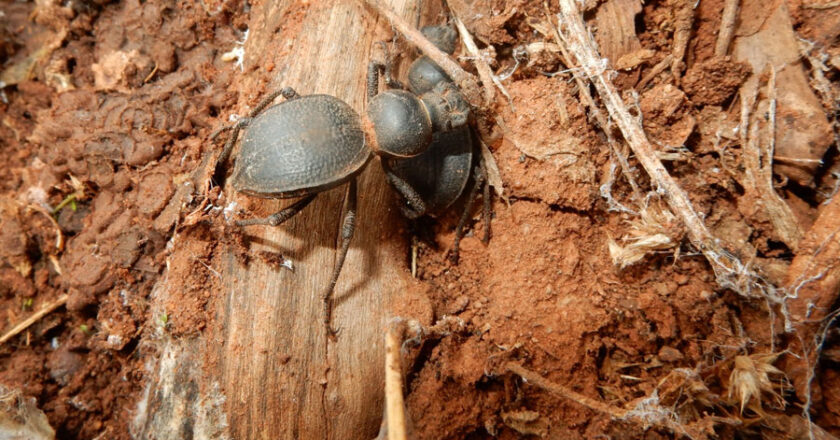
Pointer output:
x,y
273,373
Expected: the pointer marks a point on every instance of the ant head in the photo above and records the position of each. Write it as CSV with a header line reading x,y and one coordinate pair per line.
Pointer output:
x,y
403,123
447,107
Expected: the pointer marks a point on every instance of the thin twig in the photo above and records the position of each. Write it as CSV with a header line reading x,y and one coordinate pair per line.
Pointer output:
x,y
566,393
654,72
464,80
59,236
829,5
578,41
494,177
394,403
797,160
23,325
647,412
727,27
484,71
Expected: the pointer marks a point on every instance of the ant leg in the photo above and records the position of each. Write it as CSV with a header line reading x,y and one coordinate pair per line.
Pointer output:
x,y
223,158
488,209
377,68
387,67
373,78
459,230
414,206
287,92
281,216
348,226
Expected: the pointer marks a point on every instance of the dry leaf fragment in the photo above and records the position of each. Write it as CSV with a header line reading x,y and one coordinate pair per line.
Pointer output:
x,y
526,422
633,59
750,378
656,229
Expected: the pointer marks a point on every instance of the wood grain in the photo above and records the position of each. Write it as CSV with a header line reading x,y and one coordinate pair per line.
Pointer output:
x,y
266,368
323,389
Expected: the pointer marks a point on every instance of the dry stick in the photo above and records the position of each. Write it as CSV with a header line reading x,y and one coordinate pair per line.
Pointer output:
x,y
655,71
59,236
830,5
481,65
467,83
727,27
813,281
729,270
23,325
616,413
683,22
394,403
560,390
797,160
484,71
758,159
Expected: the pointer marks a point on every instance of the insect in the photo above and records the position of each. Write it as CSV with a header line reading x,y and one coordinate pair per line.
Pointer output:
x,y
309,144
441,173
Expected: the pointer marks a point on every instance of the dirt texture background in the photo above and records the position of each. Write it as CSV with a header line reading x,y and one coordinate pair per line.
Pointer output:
x,y
589,280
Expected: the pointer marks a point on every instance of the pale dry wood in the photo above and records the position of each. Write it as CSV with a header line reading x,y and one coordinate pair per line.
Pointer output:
x,y
758,144
268,369
616,23
32,319
766,38
655,71
324,389
829,5
394,402
566,393
481,65
727,27
813,283
683,23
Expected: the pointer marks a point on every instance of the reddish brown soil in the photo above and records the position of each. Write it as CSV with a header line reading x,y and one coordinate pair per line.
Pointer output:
x,y
117,115
128,138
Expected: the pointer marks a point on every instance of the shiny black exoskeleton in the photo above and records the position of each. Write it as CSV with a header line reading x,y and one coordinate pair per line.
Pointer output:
x,y
309,144
440,174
